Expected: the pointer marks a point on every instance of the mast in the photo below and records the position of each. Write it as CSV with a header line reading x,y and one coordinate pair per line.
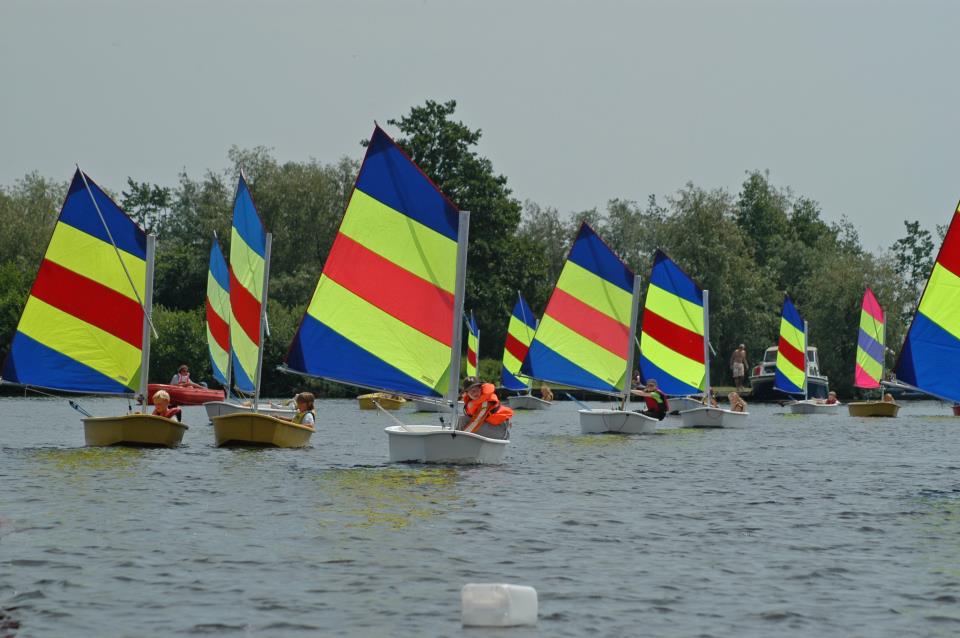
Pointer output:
x,y
706,346
453,377
263,319
631,350
147,321
806,365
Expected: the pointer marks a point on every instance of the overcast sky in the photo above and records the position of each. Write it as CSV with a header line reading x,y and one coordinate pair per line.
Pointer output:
x,y
853,104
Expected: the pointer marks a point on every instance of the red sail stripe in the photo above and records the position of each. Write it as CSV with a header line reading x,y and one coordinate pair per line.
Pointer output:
x,y
219,328
677,338
90,301
792,355
521,333
246,308
592,324
472,358
392,289
949,256
517,348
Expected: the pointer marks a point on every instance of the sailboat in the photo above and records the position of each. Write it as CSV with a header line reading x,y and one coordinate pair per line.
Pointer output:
x,y
792,372
386,313
86,325
585,339
931,350
473,345
248,280
871,356
218,339
675,341
520,330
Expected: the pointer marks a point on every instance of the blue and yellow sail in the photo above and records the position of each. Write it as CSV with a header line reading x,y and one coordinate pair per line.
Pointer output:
x,y
382,313
520,330
248,252
672,337
473,345
82,325
218,313
868,370
931,350
583,339
791,372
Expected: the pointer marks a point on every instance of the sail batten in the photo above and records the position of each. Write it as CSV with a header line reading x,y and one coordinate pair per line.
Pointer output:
x,y
672,334
520,330
931,349
382,312
791,370
583,338
82,325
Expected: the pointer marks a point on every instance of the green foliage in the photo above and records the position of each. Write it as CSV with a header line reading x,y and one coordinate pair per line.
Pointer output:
x,y
914,255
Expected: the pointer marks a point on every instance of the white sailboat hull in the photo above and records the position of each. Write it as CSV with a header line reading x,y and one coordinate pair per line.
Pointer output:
x,y
527,402
433,406
604,421
436,444
221,408
812,407
704,417
680,404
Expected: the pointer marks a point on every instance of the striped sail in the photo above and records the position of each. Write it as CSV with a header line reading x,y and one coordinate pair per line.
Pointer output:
x,y
790,373
82,325
520,331
473,345
930,355
672,338
382,314
584,337
248,248
868,370
218,314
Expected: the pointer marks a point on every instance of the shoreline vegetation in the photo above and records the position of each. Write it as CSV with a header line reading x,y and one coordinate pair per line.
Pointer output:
x,y
747,248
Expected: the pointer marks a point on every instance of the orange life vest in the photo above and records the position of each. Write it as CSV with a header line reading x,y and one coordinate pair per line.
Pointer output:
x,y
496,414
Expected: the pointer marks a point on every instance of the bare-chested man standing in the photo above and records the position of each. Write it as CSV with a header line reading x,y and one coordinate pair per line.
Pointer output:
x,y
738,365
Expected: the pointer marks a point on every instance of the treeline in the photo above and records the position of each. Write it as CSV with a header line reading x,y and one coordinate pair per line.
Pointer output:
x,y
747,248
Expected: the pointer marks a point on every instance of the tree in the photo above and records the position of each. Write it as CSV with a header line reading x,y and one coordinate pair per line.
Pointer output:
x,y
148,204
914,256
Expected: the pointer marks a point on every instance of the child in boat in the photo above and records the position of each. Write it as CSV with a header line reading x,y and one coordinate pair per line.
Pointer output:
x,y
737,404
305,414
888,398
546,393
483,413
161,406
712,402
657,403
831,398
182,377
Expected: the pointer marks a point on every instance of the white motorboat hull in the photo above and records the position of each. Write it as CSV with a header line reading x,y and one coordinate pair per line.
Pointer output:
x,y
527,402
221,408
604,421
680,404
704,417
436,444
812,407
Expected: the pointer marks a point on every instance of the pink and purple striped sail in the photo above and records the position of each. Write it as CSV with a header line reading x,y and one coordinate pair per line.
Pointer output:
x,y
868,370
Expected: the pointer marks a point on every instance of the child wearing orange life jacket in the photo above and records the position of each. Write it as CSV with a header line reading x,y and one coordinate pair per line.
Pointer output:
x,y
161,406
483,413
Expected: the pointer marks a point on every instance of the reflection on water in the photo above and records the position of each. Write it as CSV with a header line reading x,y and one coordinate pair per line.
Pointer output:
x,y
81,463
389,497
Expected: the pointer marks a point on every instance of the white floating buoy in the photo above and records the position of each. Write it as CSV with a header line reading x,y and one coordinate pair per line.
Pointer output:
x,y
498,605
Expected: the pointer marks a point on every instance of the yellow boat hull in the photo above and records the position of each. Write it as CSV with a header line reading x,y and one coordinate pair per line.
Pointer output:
x,y
259,430
873,408
134,430
386,401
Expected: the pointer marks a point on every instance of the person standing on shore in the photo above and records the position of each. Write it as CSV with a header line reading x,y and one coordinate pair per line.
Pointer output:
x,y
738,366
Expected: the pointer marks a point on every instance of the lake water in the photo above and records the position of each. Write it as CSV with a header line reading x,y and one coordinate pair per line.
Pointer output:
x,y
795,526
